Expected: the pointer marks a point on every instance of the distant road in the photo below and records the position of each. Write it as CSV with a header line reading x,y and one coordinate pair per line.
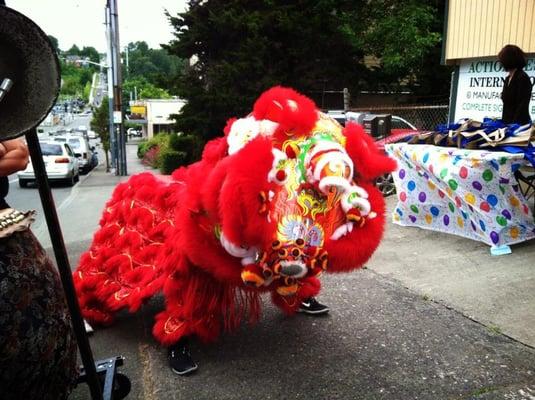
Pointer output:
x,y
28,199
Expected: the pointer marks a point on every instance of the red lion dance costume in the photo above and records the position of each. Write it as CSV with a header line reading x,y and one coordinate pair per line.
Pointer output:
x,y
285,195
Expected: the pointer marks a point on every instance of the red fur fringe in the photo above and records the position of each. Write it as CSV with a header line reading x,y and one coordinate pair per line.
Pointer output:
x,y
369,161
161,234
293,111
354,249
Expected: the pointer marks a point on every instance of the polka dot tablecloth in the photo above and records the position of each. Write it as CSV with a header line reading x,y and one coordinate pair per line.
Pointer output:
x,y
471,193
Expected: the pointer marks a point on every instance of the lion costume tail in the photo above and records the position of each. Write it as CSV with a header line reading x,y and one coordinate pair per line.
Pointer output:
x,y
121,268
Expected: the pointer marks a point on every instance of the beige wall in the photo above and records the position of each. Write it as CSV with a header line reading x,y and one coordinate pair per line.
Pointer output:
x,y
480,28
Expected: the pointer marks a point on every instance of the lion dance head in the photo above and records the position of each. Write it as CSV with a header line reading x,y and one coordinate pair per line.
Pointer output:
x,y
293,195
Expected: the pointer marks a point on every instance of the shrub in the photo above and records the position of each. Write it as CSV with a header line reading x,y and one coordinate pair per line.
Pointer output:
x,y
189,144
161,140
142,149
151,157
169,151
171,159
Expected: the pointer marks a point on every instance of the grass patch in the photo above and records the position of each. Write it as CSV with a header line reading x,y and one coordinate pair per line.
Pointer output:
x,y
483,390
495,330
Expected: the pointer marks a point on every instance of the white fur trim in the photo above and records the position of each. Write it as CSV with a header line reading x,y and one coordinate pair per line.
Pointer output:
x,y
267,127
246,129
342,230
361,202
323,145
247,260
278,156
242,132
235,250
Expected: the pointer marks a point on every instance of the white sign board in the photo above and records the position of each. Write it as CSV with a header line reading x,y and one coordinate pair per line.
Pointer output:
x,y
117,117
480,87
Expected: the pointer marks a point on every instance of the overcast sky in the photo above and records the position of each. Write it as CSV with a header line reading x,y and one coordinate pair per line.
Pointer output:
x,y
81,22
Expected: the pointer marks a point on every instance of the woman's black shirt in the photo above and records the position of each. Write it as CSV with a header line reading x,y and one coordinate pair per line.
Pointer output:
x,y
516,95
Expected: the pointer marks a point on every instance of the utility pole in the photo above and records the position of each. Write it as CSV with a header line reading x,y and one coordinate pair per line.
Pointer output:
x,y
109,71
117,88
346,99
127,65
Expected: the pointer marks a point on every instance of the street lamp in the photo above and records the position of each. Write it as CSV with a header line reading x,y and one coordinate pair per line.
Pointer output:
x,y
113,139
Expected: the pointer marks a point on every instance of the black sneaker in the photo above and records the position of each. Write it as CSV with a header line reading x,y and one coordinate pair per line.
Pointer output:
x,y
180,358
313,307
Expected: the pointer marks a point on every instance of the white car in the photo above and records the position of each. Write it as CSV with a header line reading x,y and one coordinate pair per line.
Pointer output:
x,y
82,150
132,132
60,163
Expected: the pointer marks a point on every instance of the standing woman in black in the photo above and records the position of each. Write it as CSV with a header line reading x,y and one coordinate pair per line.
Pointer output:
x,y
517,88
37,344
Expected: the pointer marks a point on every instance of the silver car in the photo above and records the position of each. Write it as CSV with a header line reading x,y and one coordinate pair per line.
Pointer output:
x,y
83,151
60,162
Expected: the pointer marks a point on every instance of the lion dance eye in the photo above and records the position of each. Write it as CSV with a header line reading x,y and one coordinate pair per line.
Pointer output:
x,y
276,245
300,242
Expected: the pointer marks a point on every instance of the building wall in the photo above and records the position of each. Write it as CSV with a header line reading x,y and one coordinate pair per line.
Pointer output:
x,y
480,28
158,113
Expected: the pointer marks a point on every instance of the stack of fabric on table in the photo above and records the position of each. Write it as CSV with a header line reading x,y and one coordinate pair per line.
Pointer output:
x,y
491,134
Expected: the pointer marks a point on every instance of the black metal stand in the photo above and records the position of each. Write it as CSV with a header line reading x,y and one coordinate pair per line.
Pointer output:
x,y
62,261
116,385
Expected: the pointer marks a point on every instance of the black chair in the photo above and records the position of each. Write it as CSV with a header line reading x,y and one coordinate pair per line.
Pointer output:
x,y
526,182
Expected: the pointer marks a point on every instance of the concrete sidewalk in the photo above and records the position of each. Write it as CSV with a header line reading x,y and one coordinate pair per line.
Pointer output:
x,y
498,291
433,317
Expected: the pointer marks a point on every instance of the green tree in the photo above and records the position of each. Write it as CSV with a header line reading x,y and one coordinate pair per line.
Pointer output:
x,y
155,65
87,91
406,38
71,86
238,48
144,90
74,51
100,123
91,53
243,47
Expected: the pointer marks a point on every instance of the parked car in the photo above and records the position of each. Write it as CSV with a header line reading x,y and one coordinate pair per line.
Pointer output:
x,y
338,115
91,134
60,163
133,132
83,151
401,130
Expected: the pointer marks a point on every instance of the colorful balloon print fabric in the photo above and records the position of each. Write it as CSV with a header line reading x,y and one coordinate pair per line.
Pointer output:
x,y
470,193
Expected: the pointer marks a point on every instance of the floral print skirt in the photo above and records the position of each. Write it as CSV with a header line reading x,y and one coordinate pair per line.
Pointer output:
x,y
37,344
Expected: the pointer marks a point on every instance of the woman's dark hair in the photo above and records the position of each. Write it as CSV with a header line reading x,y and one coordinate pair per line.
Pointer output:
x,y
512,57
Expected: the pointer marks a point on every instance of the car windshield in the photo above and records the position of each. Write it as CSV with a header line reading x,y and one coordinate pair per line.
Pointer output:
x,y
340,120
75,143
49,149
